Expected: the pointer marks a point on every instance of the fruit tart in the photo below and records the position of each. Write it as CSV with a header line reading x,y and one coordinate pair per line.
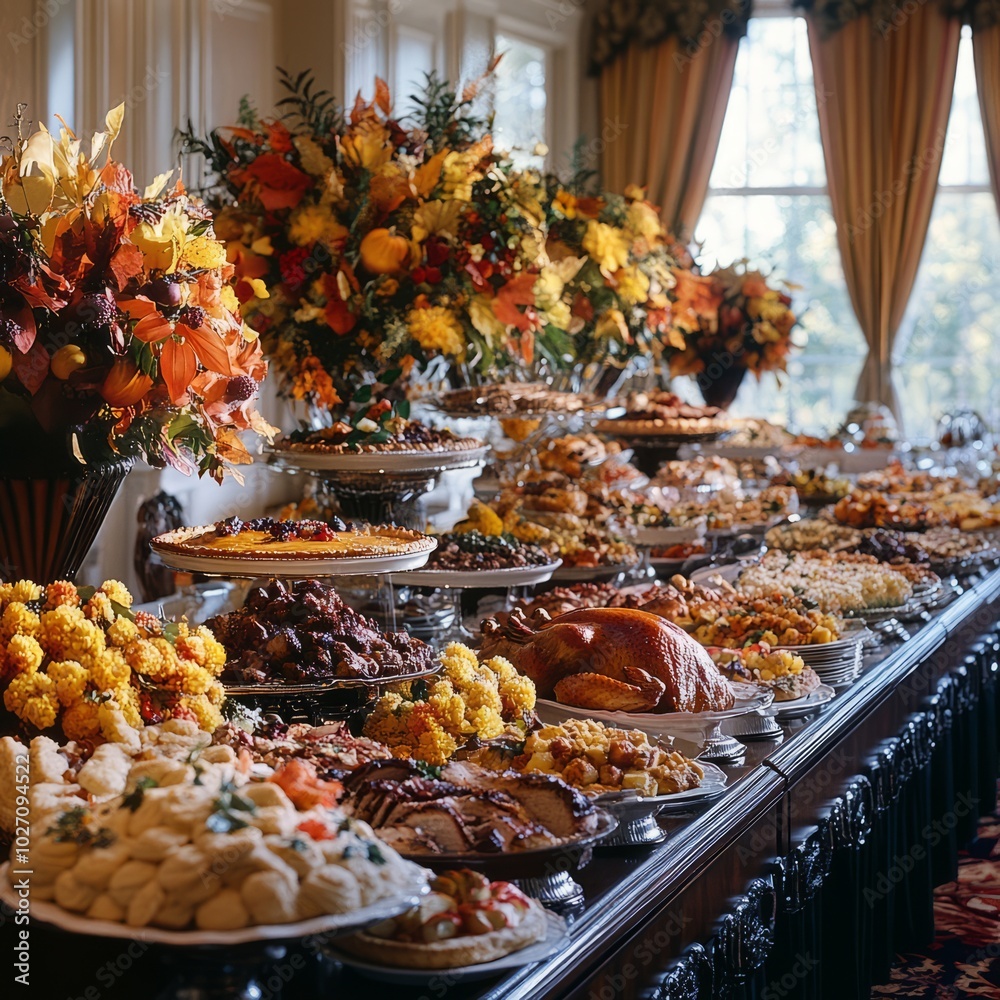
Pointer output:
x,y
266,538
381,428
465,920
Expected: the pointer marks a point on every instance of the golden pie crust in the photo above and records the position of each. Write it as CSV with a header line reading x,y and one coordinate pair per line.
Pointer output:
x,y
385,448
361,543
662,427
453,953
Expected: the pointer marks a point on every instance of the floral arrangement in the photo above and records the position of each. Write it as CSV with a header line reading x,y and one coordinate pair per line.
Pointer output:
x,y
366,245
118,327
736,318
468,699
83,658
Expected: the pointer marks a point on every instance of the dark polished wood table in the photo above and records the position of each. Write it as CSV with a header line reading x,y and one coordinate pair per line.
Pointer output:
x,y
643,906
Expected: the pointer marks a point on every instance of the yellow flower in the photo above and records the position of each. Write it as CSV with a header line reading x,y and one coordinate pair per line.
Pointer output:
x,y
367,145
208,716
642,219
437,329
122,631
632,285
98,608
459,174
71,680
32,697
25,590
117,591
17,620
314,224
565,203
81,721
607,245
59,629
109,670
548,288
24,655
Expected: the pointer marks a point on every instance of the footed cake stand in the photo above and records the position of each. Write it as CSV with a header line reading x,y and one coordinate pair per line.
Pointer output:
x,y
379,487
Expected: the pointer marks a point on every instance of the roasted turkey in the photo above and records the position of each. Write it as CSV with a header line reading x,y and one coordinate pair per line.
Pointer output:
x,y
615,659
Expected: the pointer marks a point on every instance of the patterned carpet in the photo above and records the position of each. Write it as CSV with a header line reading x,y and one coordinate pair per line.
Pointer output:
x,y
964,960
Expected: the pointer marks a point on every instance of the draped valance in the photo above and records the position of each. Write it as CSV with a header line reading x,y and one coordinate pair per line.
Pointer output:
x,y
646,22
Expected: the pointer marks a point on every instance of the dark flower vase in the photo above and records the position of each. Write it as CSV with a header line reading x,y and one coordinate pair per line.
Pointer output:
x,y
47,525
721,391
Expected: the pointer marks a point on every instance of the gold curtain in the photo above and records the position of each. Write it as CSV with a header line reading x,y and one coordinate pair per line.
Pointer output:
x,y
662,109
986,48
884,94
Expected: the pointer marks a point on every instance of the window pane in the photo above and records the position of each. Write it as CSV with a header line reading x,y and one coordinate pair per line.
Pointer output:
x,y
771,134
964,160
413,59
946,352
771,139
520,99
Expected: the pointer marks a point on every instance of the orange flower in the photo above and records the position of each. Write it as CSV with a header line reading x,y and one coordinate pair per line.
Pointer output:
x,y
125,385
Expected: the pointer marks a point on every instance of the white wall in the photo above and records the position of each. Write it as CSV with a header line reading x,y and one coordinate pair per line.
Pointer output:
x,y
174,60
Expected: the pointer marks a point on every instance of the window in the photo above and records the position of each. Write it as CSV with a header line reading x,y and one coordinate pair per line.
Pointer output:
x,y
768,203
520,100
946,349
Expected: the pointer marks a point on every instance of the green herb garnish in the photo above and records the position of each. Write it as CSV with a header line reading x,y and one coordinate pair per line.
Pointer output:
x,y
133,800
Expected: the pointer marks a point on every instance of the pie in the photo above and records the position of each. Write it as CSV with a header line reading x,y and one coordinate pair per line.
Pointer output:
x,y
657,414
265,538
396,436
464,920
512,398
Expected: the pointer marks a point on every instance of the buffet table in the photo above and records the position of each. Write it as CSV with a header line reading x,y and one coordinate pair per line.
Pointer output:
x,y
701,907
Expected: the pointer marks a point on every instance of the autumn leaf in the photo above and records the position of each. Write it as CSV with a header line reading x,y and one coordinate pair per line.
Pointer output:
x,y
382,96
31,367
152,327
281,185
178,366
519,291
126,263
210,348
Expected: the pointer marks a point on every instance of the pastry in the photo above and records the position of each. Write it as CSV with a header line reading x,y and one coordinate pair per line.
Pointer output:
x,y
265,538
464,920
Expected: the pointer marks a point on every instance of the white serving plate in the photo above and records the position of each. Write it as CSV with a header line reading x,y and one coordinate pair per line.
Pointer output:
x,y
695,727
338,923
583,574
821,695
289,569
628,807
386,461
514,576
673,535
555,940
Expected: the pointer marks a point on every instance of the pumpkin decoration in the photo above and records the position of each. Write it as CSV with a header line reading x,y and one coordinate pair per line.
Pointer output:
x,y
383,252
